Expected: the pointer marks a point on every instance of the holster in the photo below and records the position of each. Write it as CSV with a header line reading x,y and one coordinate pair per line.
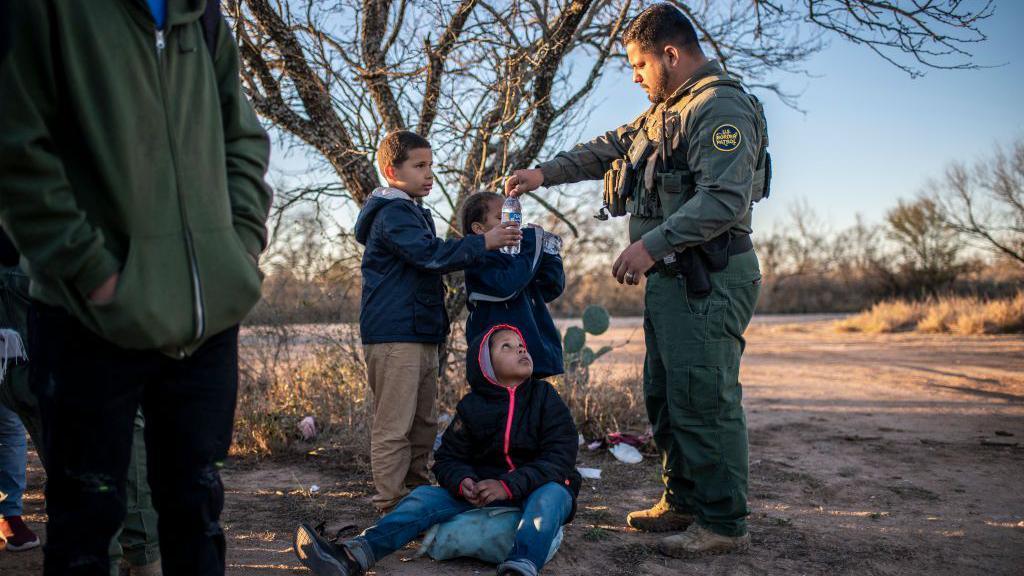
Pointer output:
x,y
696,264
694,269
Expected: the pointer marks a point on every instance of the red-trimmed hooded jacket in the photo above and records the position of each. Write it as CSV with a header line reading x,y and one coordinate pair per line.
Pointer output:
x,y
524,437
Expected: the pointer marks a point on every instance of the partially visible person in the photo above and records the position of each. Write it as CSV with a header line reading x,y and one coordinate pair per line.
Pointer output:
x,y
13,450
402,319
507,289
137,543
15,535
132,182
512,443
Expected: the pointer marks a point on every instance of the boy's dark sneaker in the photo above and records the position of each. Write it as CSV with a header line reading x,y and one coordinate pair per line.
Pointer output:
x,y
519,567
19,537
322,557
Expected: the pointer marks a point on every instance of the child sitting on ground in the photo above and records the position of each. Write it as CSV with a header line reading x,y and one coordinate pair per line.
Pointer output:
x,y
402,318
504,288
512,442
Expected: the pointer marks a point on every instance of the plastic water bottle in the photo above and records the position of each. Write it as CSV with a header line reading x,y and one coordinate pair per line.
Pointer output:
x,y
511,211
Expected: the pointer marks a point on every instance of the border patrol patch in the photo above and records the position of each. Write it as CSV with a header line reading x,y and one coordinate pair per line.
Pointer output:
x,y
726,138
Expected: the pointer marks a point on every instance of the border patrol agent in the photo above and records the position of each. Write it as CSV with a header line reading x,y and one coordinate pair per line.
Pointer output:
x,y
687,172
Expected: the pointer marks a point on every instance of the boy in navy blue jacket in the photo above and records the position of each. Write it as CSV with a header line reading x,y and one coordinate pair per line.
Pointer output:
x,y
402,319
512,442
506,289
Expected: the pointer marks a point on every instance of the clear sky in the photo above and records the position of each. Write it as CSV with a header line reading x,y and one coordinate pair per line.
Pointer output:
x,y
870,134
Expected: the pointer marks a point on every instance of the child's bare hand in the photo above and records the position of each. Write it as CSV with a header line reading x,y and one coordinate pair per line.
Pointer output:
x,y
469,489
507,234
488,491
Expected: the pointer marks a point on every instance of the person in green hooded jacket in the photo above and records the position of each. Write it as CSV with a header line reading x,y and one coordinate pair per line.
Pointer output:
x,y
132,183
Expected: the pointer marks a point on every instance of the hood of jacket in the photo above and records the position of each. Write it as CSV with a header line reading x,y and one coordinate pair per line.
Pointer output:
x,y
479,370
380,198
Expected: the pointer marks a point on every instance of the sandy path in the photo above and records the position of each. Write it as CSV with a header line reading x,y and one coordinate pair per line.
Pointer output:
x,y
869,455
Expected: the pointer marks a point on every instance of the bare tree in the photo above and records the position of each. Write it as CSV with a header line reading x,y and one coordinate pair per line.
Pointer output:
x,y
486,83
986,202
913,35
929,252
495,85
801,247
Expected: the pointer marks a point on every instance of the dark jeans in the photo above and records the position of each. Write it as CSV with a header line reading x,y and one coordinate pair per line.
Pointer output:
x,y
89,391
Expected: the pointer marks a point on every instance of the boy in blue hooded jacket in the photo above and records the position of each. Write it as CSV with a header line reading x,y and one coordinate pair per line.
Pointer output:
x,y
515,289
402,319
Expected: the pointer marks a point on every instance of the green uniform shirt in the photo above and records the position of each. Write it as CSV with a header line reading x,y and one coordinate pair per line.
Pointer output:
x,y
719,143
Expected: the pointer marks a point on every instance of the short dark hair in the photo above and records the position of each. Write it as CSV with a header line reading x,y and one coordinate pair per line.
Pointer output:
x,y
475,209
395,147
660,25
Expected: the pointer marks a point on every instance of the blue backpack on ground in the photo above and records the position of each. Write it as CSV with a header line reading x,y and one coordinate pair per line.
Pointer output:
x,y
486,534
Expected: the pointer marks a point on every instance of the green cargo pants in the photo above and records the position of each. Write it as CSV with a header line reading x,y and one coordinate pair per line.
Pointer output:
x,y
693,393
137,542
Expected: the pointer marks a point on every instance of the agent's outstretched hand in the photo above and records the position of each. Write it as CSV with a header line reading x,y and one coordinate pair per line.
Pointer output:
x,y
523,181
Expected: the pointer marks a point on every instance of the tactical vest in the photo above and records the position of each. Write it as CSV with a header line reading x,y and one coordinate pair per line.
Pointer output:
x,y
650,188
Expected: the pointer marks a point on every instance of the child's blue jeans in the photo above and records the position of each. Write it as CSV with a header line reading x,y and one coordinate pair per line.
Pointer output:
x,y
543,513
13,448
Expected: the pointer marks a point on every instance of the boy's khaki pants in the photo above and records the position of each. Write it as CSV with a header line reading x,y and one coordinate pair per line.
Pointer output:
x,y
403,377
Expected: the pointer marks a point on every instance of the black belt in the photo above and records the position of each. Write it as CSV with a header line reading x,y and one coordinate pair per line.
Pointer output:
x,y
739,244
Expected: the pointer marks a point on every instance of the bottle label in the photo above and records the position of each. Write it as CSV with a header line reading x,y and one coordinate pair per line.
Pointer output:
x,y
516,217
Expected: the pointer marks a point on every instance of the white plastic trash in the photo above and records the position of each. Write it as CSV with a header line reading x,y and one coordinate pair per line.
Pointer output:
x,y
626,454
590,473
307,427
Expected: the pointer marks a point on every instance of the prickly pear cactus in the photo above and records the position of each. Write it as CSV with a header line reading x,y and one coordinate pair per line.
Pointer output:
x,y
579,356
596,320
574,341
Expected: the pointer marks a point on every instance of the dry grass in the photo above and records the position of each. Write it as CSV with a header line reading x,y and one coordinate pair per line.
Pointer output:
x,y
605,401
955,315
288,374
891,316
285,377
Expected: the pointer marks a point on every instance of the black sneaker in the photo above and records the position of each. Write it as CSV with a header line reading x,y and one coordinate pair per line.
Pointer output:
x,y
322,557
520,567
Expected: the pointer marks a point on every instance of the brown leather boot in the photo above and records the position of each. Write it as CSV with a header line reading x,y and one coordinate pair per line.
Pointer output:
x,y
659,518
698,541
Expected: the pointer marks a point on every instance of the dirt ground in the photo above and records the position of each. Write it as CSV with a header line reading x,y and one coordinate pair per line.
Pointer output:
x,y
896,454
